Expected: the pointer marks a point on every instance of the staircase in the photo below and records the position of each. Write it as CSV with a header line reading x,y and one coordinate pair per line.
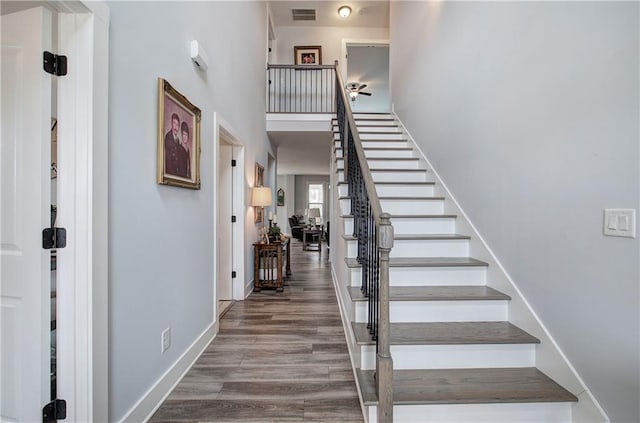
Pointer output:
x,y
456,357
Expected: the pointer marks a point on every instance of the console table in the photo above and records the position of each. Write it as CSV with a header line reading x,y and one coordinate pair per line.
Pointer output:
x,y
268,262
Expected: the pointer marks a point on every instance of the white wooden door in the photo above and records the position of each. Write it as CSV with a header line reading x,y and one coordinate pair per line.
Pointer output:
x,y
25,154
224,227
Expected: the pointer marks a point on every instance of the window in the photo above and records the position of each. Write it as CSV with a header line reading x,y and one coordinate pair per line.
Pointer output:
x,y
316,199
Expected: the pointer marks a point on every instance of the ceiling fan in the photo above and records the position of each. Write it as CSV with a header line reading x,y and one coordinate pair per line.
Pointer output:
x,y
354,89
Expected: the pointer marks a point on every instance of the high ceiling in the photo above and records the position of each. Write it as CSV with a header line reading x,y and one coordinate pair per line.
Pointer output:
x,y
373,14
302,153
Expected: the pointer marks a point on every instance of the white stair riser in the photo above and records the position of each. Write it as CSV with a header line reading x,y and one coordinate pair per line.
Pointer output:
x,y
429,276
384,163
425,247
378,144
389,136
423,226
387,176
417,206
395,190
453,356
360,123
440,311
358,116
414,226
479,413
373,128
386,129
404,190
389,152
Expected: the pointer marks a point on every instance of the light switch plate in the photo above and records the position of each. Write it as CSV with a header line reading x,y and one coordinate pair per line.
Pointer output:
x,y
620,222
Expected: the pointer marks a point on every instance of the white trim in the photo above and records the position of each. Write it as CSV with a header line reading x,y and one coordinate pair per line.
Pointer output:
x,y
248,288
149,403
228,132
565,370
83,190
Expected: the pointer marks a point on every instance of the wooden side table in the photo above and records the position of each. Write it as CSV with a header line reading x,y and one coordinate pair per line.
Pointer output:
x,y
268,260
312,238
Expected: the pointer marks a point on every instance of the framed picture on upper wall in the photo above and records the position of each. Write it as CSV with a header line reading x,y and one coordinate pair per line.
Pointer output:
x,y
178,139
259,176
308,55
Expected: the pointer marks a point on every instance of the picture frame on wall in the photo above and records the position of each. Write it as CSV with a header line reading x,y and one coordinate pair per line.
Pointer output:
x,y
280,197
259,176
178,162
259,182
307,55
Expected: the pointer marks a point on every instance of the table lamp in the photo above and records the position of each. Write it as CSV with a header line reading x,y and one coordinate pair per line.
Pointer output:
x,y
261,197
314,214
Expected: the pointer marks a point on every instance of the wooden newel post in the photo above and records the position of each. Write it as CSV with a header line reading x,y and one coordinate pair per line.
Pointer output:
x,y
384,362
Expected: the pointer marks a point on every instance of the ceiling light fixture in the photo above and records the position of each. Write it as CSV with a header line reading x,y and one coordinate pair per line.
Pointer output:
x,y
344,11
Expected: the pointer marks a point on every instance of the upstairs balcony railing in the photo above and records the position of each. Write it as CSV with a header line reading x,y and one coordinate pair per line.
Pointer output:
x,y
373,230
301,89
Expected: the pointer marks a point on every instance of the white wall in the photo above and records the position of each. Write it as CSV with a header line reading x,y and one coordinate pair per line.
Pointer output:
x,y
330,38
287,183
161,238
529,111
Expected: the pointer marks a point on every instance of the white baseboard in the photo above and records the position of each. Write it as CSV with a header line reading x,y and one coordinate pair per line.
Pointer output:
x,y
346,326
155,396
248,289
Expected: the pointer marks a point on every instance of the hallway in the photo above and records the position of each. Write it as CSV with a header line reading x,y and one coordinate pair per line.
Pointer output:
x,y
278,357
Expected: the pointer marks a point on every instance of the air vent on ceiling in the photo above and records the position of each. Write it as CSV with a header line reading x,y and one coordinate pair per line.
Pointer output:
x,y
303,14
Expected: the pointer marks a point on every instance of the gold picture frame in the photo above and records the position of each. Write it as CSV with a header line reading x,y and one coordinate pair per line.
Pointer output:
x,y
178,139
259,176
307,55
259,182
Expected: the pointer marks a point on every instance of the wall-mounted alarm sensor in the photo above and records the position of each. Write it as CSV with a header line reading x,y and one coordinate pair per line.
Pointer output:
x,y
198,56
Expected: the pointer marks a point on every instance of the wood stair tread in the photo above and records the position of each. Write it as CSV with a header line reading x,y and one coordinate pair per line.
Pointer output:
x,y
419,237
383,148
467,386
423,197
379,139
414,216
396,183
425,262
384,169
387,158
436,293
448,333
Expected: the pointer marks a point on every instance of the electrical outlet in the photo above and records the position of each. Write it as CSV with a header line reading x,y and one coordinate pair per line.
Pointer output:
x,y
166,339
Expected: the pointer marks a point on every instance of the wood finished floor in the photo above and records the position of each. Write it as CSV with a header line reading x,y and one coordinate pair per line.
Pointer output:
x,y
279,357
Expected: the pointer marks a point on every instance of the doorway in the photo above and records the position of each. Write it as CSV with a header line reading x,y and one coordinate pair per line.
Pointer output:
x,y
224,226
81,323
367,64
230,215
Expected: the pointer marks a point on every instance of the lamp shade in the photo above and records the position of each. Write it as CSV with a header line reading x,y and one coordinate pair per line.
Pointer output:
x,y
261,196
314,213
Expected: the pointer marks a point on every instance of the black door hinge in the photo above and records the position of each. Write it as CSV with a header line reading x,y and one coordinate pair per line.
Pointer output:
x,y
233,219
54,238
54,411
54,64
233,274
233,163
